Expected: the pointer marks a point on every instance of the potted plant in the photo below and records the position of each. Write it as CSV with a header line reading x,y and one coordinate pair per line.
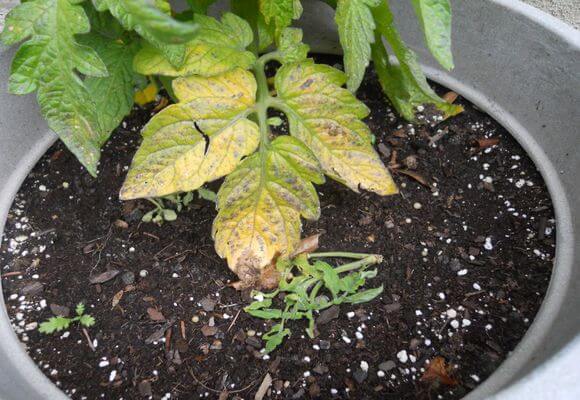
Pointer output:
x,y
215,72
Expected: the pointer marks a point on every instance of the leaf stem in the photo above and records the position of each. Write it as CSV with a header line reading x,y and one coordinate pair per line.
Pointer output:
x,y
271,56
370,260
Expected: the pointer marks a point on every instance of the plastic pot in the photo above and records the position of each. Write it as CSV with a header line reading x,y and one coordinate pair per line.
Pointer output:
x,y
514,62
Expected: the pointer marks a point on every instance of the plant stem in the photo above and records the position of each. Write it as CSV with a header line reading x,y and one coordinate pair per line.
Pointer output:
x,y
262,102
340,254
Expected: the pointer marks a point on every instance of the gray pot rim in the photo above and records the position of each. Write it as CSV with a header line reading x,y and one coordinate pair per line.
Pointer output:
x,y
511,369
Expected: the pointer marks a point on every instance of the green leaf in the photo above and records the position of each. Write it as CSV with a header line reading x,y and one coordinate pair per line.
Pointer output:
x,y
260,204
364,296
207,194
435,19
169,215
327,118
268,313
404,84
330,277
54,324
280,13
87,321
103,23
200,139
218,47
274,121
275,337
112,95
50,62
145,23
149,216
265,33
188,198
356,32
291,47
200,6
150,18
257,305
80,309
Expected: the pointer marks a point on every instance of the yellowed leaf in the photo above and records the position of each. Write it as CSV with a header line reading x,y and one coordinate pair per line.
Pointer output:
x,y
260,204
199,139
146,95
327,118
218,47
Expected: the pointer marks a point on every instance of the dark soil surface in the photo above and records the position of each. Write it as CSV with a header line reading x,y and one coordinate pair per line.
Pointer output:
x,y
468,256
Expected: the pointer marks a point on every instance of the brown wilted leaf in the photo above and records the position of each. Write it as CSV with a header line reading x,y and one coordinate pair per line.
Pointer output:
x,y
306,245
155,314
450,97
117,298
270,278
439,371
484,143
419,178
104,277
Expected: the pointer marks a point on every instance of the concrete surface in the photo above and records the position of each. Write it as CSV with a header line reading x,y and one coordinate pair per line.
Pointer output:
x,y
566,10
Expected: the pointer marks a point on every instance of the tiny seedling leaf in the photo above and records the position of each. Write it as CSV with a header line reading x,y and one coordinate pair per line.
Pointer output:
x,y
169,215
80,309
207,194
87,321
54,324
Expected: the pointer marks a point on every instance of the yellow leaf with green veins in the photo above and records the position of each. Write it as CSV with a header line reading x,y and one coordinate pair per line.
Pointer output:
x,y
217,48
201,138
260,205
327,118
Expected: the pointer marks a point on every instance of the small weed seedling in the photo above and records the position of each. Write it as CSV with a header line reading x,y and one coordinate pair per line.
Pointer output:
x,y
315,287
167,207
56,324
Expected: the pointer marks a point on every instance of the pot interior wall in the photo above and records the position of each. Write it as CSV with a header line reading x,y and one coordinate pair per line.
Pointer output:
x,y
514,62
